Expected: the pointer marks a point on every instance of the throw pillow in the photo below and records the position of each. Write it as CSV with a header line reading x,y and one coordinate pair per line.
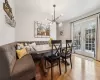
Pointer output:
x,y
32,47
20,46
28,49
26,44
21,53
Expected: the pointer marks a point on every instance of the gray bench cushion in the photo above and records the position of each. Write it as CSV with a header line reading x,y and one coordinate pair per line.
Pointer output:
x,y
23,67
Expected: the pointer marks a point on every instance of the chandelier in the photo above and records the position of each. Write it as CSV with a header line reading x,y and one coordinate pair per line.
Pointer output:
x,y
54,18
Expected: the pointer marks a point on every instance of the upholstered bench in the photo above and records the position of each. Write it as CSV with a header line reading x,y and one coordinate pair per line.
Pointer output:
x,y
35,55
12,68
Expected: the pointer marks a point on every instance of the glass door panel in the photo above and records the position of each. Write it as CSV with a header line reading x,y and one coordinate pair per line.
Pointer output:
x,y
90,39
77,38
84,35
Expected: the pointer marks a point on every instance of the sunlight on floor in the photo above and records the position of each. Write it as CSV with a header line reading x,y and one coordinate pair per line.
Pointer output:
x,y
84,68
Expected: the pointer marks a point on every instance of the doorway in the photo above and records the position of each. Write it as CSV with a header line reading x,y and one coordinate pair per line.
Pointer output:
x,y
84,36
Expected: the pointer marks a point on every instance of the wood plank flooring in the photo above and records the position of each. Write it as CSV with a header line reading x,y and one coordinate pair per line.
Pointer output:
x,y
84,68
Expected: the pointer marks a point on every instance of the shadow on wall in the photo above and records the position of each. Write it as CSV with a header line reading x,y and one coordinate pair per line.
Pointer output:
x,y
4,66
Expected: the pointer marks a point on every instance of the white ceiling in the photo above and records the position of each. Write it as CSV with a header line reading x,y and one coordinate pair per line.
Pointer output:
x,y
70,8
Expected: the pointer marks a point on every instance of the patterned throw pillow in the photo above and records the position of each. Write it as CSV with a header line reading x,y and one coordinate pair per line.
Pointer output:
x,y
31,48
28,49
21,46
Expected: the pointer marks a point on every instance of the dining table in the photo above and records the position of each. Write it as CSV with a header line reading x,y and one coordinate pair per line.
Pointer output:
x,y
46,49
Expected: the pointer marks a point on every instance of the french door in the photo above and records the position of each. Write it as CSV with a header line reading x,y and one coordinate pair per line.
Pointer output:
x,y
84,36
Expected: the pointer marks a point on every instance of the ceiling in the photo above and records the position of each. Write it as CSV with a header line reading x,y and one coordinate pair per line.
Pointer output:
x,y
70,8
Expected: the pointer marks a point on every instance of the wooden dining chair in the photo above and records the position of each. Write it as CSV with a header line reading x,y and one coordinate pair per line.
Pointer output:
x,y
66,53
55,55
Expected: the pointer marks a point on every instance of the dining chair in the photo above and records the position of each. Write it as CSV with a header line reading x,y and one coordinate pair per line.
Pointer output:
x,y
66,53
55,55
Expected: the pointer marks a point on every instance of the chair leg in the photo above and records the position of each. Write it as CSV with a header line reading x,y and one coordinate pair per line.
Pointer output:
x,y
71,62
62,60
51,71
45,64
59,67
65,65
57,63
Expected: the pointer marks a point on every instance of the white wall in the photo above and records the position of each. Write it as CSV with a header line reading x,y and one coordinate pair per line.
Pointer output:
x,y
53,31
66,32
7,33
25,26
67,28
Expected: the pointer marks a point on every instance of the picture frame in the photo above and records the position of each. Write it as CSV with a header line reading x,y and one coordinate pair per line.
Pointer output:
x,y
9,17
61,33
41,30
8,9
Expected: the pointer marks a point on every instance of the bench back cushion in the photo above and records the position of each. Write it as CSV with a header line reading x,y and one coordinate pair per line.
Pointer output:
x,y
37,42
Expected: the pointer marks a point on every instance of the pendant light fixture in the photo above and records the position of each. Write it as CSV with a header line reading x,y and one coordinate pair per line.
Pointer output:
x,y
54,18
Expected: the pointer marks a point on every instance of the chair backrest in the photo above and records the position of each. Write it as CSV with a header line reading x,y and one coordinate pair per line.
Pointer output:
x,y
56,47
68,46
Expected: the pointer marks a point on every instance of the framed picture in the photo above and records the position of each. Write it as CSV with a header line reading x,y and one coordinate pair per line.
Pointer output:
x,y
41,30
9,18
61,33
12,22
8,9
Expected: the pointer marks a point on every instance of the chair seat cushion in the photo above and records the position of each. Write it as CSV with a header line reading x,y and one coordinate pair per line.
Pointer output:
x,y
23,67
52,57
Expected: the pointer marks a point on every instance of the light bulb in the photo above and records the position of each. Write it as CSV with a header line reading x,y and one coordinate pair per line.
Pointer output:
x,y
46,19
60,24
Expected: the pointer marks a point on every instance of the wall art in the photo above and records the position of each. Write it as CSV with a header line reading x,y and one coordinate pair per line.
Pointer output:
x,y
9,17
41,30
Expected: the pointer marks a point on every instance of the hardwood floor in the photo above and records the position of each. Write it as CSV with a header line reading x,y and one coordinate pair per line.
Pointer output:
x,y
83,69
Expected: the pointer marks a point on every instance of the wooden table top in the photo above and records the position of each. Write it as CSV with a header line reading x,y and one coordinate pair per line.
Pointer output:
x,y
46,49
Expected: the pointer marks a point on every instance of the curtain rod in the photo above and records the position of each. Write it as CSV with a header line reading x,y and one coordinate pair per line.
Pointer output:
x,y
85,17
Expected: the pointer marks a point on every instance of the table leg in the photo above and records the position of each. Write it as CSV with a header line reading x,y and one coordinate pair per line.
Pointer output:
x,y
42,66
